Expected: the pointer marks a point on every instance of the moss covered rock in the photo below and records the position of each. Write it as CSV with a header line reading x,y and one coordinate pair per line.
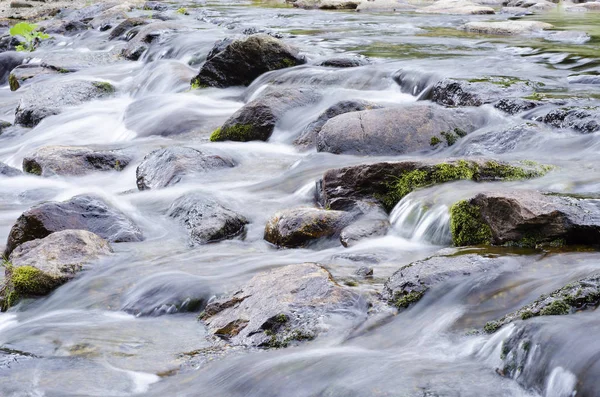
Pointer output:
x,y
525,218
242,61
389,182
37,267
583,294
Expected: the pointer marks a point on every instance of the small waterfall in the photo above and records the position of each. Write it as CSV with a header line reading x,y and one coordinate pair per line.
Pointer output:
x,y
415,220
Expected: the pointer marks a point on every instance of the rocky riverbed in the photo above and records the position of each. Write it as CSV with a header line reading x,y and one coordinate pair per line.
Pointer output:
x,y
300,198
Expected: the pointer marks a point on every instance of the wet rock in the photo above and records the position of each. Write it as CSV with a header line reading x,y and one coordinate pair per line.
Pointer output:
x,y
451,92
283,306
50,98
6,170
9,43
499,141
155,6
580,295
75,161
568,36
506,28
8,61
364,272
219,47
147,35
298,227
307,139
343,62
256,120
65,28
79,213
387,183
167,167
125,27
373,223
525,218
461,7
327,4
166,293
584,120
4,125
584,79
409,284
206,220
515,105
244,60
392,131
23,74
37,267
109,18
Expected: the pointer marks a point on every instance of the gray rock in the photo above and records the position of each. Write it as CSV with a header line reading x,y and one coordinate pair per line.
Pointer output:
x,y
374,223
74,161
125,28
147,35
167,167
451,92
457,7
409,284
6,170
4,125
364,272
39,266
584,79
8,61
300,226
206,220
515,105
499,141
506,28
166,293
327,4
50,98
244,60
308,136
79,213
257,119
584,120
27,74
525,218
344,62
280,307
395,130
155,6
9,43
583,294
62,27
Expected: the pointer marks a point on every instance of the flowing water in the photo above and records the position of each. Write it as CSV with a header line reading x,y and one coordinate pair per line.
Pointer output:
x,y
79,342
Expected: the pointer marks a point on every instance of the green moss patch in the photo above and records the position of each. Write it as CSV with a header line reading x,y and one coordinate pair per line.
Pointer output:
x,y
237,132
25,281
403,301
466,225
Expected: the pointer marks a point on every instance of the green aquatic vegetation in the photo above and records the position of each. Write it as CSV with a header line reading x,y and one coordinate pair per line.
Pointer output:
x,y
237,132
466,225
449,137
527,314
556,308
435,141
105,87
403,301
491,327
30,34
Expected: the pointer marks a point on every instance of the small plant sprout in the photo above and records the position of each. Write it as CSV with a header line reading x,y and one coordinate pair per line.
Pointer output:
x,y
31,35
183,11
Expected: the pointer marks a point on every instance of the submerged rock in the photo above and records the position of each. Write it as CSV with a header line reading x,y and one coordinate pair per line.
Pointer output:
x,y
580,295
584,120
451,92
75,161
525,218
300,226
50,98
244,60
167,167
283,306
515,105
373,223
8,61
125,28
499,141
409,284
147,35
308,136
37,267
206,220
79,213
327,4
460,7
344,62
256,120
30,73
166,293
506,28
387,183
6,170
393,131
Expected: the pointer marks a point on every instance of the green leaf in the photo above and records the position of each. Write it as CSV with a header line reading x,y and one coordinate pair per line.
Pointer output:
x,y
22,29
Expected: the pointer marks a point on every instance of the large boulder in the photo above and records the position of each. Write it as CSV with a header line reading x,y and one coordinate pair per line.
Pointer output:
x,y
387,183
283,306
205,220
50,98
39,266
256,120
506,28
308,136
581,119
300,226
8,61
6,170
79,213
167,167
452,92
393,131
71,160
525,218
409,284
573,297
244,60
